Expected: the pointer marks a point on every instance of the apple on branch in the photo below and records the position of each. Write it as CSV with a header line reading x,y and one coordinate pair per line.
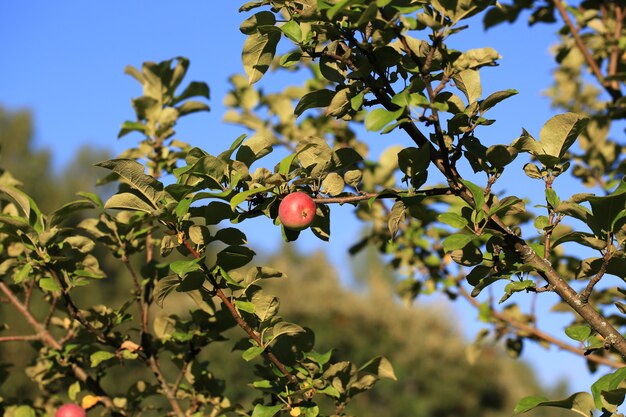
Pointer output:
x,y
70,410
297,211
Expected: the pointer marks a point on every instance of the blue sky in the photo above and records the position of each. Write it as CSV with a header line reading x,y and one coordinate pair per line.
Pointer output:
x,y
65,60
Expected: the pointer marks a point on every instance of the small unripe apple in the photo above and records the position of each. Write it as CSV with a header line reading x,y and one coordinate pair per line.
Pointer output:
x,y
296,211
70,410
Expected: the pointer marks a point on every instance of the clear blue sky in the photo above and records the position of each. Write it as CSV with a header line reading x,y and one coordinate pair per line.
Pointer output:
x,y
65,60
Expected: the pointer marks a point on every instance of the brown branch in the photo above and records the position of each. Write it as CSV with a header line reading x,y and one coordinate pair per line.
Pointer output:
x,y
593,65
587,311
50,341
586,293
367,196
53,307
167,390
75,312
615,53
23,338
240,321
541,335
142,306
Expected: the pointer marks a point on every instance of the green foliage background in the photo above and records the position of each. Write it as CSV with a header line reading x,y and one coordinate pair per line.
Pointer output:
x,y
424,346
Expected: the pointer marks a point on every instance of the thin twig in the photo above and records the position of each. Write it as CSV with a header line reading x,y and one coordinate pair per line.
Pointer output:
x,y
50,341
586,293
615,53
541,335
580,44
75,312
22,338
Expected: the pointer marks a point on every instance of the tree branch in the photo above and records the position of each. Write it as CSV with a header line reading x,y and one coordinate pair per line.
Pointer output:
x,y
49,340
367,196
23,338
541,335
593,65
586,293
240,321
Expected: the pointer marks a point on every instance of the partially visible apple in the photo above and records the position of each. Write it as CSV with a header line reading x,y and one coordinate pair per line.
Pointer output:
x,y
70,410
296,211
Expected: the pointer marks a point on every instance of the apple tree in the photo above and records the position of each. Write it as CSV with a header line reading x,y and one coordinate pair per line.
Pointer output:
x,y
436,208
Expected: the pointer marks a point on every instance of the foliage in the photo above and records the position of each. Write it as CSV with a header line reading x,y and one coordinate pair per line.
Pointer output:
x,y
384,66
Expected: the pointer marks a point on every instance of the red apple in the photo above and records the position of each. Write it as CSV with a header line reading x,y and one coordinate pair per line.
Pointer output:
x,y
296,211
70,410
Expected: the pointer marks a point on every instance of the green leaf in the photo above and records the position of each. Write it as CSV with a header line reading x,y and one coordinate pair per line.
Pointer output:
x,y
468,82
552,198
97,357
340,104
379,118
191,282
452,219
192,106
284,328
132,172
19,197
560,132
194,89
244,195
333,184
477,194
607,210
164,287
265,306
608,382
49,284
580,403
314,99
24,411
585,239
252,353
246,306
258,52
412,160
500,156
457,241
292,30
183,267
532,171
234,257
476,58
266,410
231,236
579,332
23,273
397,215
252,24
495,98
253,149
516,286
73,390
61,214
27,204
129,201
290,59
262,272
338,7
164,327
379,366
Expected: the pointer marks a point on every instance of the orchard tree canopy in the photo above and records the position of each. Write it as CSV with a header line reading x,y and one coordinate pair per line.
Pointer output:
x,y
435,209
